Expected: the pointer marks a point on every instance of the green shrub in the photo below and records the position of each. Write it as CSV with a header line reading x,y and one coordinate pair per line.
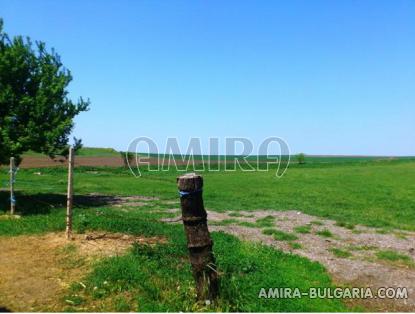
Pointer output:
x,y
301,158
127,158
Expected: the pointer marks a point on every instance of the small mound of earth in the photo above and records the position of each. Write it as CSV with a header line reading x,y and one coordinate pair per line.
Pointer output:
x,y
35,271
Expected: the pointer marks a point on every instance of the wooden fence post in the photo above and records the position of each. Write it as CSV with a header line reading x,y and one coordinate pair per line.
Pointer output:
x,y
12,199
69,201
199,242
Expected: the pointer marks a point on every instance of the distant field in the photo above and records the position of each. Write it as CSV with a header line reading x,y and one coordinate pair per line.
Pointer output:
x,y
86,156
368,191
98,152
87,151
375,193
95,156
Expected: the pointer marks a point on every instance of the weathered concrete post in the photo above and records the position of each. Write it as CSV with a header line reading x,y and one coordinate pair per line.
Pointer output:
x,y
69,200
199,242
12,173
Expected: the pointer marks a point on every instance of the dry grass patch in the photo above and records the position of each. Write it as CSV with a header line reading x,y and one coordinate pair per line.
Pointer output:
x,y
35,271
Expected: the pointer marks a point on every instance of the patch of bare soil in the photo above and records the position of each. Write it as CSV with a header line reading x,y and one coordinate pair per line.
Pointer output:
x,y
35,271
361,269
101,244
97,161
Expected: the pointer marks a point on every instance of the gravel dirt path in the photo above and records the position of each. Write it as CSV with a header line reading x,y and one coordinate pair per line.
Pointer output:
x,y
358,264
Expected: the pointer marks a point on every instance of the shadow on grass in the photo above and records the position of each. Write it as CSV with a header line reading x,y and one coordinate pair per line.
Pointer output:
x,y
45,203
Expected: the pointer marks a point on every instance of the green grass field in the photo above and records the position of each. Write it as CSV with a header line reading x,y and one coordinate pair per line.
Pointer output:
x,y
376,193
160,278
370,192
87,151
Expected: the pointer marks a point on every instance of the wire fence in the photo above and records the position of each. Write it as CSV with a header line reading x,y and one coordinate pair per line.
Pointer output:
x,y
28,190
42,188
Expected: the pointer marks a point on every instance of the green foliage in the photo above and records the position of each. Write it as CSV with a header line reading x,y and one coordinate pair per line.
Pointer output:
x,y
301,158
77,144
35,111
127,158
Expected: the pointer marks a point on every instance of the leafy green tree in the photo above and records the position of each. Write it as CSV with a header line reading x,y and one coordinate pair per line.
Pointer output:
x,y
301,158
77,144
35,111
127,158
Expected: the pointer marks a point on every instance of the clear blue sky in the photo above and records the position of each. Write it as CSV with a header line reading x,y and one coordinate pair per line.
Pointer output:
x,y
330,77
